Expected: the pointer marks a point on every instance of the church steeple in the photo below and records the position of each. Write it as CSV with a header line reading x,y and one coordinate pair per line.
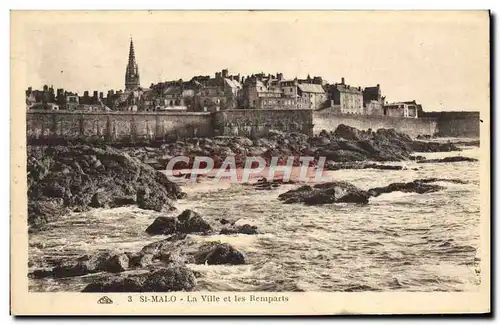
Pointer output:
x,y
132,71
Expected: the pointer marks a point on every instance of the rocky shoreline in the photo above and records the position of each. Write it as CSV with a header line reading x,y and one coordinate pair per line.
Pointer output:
x,y
78,178
346,144
62,179
162,263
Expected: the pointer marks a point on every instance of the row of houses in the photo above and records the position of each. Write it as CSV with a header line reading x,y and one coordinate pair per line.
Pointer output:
x,y
224,91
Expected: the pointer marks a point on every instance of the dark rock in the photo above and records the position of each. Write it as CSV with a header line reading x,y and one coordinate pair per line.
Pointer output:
x,y
411,187
141,260
421,146
325,193
182,195
448,160
83,176
340,155
54,190
347,132
42,211
100,199
360,165
41,273
242,229
118,263
177,257
264,184
127,284
216,253
192,222
123,201
224,221
433,180
320,141
84,265
171,278
474,143
163,226
151,200
165,246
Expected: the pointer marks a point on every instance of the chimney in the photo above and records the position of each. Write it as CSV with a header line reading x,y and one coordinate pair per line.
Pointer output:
x,y
342,81
224,73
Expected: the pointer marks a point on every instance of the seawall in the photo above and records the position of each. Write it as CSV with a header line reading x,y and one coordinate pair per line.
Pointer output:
x,y
456,124
116,127
326,120
257,123
147,127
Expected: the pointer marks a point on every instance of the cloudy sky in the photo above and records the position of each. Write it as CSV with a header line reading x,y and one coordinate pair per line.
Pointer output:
x,y
441,59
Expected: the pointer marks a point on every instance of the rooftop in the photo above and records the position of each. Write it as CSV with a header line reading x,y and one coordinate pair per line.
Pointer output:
x,y
311,88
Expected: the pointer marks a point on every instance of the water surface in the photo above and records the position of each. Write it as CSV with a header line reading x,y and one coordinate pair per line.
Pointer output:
x,y
398,242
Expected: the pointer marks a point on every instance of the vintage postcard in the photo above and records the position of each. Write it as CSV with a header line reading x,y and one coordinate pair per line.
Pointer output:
x,y
250,162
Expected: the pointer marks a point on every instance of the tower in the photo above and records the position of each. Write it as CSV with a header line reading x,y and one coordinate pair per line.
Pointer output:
x,y
132,71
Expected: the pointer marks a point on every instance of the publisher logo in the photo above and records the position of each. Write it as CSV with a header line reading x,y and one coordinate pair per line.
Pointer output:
x,y
105,300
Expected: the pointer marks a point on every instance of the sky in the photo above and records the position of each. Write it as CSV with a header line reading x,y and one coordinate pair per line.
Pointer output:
x,y
440,59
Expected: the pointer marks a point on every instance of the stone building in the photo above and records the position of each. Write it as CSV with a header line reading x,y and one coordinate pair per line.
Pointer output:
x,y
313,95
72,101
401,109
415,108
262,91
177,94
346,99
373,101
219,93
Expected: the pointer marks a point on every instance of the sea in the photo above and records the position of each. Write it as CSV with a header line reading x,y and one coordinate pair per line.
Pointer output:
x,y
397,242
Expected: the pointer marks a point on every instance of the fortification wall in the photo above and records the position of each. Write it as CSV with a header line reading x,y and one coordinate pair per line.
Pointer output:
x,y
257,123
116,127
144,127
456,124
326,120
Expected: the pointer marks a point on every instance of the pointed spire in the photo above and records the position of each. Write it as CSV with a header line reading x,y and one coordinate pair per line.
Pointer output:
x,y
131,53
132,70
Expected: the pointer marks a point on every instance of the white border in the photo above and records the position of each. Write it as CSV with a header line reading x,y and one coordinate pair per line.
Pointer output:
x,y
144,4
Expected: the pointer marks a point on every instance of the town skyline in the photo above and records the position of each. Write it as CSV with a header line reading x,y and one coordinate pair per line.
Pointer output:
x,y
432,64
